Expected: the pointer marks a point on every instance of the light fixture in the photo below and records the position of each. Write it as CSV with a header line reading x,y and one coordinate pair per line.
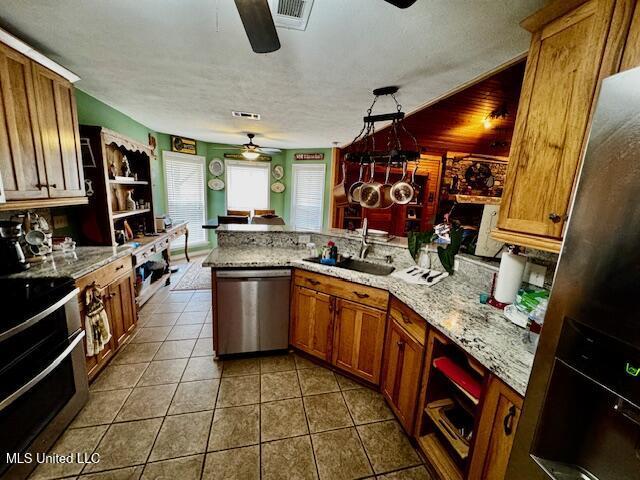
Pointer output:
x,y
486,122
250,154
499,113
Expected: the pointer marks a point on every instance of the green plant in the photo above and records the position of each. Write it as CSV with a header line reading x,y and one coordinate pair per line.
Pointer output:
x,y
416,240
448,253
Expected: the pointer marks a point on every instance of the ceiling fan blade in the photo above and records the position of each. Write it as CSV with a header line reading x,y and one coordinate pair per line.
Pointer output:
x,y
258,23
268,150
401,3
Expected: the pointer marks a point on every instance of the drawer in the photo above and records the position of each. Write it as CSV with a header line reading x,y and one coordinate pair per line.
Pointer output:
x,y
408,320
162,244
146,254
107,274
373,297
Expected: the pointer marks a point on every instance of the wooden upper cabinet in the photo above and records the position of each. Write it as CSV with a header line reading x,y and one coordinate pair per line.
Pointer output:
x,y
631,56
60,136
495,432
358,339
571,51
21,163
312,322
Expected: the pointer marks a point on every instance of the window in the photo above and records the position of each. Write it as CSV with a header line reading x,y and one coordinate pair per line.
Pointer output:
x,y
307,198
247,185
186,200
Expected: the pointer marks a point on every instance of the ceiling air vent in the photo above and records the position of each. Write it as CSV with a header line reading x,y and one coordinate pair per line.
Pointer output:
x,y
292,14
246,115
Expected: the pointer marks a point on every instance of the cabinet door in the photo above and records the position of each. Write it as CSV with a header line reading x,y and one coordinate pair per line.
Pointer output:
x,y
21,164
496,432
95,363
122,308
58,121
631,57
312,322
358,339
560,81
401,369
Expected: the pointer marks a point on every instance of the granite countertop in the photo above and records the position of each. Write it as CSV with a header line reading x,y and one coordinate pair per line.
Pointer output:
x,y
451,306
83,261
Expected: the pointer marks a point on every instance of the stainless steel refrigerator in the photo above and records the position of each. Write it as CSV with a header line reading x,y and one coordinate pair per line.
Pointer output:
x,y
581,415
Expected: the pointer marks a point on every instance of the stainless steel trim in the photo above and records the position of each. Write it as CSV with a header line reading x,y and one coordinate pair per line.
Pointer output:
x,y
27,386
39,316
285,272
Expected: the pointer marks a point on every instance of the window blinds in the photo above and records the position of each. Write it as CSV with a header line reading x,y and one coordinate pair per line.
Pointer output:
x,y
307,198
247,185
186,194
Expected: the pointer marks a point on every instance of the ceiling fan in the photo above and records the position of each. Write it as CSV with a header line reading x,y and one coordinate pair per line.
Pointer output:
x,y
258,23
250,150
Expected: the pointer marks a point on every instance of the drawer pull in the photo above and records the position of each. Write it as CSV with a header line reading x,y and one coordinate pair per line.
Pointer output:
x,y
312,281
405,318
507,423
361,295
119,268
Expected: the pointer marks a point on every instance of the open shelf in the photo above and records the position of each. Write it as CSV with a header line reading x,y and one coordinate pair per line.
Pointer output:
x,y
130,213
439,411
439,457
128,182
147,292
459,378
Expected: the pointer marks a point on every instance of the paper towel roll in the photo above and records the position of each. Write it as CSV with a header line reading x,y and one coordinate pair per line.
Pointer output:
x,y
509,277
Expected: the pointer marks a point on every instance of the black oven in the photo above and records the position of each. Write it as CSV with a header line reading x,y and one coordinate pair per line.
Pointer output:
x,y
43,380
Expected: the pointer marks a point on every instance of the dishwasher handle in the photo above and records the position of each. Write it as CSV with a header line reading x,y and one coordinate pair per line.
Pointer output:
x,y
240,274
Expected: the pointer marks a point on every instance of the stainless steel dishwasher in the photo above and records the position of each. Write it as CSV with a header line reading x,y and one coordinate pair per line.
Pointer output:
x,y
253,310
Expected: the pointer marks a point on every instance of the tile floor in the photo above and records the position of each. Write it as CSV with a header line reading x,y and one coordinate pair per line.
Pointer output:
x,y
166,409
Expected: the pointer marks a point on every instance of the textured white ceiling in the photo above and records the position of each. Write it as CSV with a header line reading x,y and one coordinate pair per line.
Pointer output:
x,y
181,66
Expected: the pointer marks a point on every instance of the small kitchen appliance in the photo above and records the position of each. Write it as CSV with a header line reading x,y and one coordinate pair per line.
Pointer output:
x,y
11,255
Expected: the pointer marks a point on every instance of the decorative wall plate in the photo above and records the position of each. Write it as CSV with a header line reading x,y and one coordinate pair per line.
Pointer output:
x,y
215,184
277,187
216,167
277,172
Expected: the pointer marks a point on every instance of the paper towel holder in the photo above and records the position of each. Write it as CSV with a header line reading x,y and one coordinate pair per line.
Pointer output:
x,y
515,249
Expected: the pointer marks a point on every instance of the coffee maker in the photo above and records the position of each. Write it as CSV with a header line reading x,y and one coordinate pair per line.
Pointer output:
x,y
11,255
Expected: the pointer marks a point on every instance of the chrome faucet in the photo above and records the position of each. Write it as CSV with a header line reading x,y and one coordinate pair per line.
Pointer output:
x,y
364,246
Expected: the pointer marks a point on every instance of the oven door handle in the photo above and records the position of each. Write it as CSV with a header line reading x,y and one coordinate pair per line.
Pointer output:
x,y
27,386
39,316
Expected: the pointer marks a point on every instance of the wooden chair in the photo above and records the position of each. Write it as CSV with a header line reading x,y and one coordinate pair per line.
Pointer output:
x,y
239,213
257,213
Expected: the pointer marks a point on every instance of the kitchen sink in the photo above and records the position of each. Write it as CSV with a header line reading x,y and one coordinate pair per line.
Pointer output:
x,y
359,266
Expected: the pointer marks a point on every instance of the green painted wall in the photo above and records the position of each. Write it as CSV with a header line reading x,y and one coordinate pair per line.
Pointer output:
x,y
92,111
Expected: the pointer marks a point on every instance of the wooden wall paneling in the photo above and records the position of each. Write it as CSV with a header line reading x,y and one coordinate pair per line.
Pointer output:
x,y
21,162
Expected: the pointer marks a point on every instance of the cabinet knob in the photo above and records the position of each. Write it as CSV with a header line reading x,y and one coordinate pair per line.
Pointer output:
x,y
405,318
507,423
554,217
400,343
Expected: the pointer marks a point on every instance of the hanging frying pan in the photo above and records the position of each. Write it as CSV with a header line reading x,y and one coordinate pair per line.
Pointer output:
x,y
402,191
354,190
371,191
340,190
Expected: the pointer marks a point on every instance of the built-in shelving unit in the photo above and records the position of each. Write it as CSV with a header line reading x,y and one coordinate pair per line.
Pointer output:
x,y
129,213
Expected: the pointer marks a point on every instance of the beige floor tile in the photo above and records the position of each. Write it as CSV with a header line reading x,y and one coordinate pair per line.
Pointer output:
x,y
116,377
126,444
278,386
236,391
340,456
198,306
182,435
81,440
288,459
207,331
195,396
277,363
129,473
303,363
317,380
281,419
387,446
160,319
326,412
185,468
173,307
201,295
203,348
415,473
367,406
136,353
235,427
202,368
237,464
101,408
175,349
147,402
163,371
151,334
184,332
346,383
178,297
187,318
242,366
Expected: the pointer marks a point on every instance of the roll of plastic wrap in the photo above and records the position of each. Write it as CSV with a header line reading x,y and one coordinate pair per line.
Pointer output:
x,y
509,277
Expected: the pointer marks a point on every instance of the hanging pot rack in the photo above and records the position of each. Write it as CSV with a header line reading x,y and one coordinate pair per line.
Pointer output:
x,y
363,150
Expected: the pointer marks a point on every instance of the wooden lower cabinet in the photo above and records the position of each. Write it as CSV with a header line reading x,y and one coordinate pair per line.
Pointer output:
x,y
401,372
312,322
495,432
121,308
358,339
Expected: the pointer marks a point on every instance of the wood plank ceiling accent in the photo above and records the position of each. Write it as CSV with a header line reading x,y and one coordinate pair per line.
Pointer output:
x,y
456,124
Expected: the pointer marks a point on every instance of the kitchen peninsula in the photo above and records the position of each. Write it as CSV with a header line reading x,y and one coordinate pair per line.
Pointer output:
x,y
392,334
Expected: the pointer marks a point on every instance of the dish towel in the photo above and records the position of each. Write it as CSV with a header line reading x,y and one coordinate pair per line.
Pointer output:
x,y
96,323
